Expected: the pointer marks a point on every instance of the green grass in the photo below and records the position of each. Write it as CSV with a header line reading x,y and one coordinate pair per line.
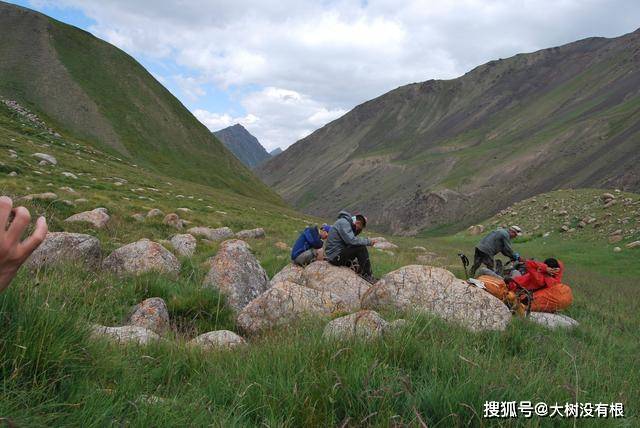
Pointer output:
x,y
52,374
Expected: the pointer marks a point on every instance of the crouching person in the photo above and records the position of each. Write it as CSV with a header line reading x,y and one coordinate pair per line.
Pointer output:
x,y
345,248
544,280
308,246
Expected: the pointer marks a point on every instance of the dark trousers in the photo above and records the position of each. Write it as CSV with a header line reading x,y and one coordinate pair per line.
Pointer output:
x,y
356,257
479,259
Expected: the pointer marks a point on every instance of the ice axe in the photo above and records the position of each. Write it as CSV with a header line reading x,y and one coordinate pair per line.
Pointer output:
x,y
465,264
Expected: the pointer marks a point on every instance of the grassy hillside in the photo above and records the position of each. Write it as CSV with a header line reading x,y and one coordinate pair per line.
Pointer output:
x,y
86,88
452,152
52,374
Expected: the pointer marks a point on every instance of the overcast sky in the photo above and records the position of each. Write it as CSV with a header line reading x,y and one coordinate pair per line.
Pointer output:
x,y
285,68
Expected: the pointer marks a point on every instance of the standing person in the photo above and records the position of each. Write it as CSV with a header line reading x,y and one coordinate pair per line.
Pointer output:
x,y
345,248
13,252
498,241
308,246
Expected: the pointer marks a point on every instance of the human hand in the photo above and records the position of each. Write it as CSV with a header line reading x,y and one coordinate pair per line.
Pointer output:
x,y
553,271
373,242
13,253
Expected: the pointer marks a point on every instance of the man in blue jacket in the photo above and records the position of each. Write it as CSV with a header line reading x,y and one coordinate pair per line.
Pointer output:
x,y
308,246
344,248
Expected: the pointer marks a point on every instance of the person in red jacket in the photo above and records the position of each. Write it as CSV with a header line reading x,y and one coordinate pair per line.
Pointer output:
x,y
544,280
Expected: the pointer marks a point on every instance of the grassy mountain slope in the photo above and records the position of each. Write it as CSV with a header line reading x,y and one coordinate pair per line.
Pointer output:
x,y
452,152
88,89
243,145
53,374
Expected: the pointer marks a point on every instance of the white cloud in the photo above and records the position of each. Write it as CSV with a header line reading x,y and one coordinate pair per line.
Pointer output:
x,y
319,59
190,87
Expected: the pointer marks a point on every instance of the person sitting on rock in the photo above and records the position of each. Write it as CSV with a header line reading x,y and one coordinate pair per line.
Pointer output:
x,y
544,280
345,248
14,253
498,241
308,246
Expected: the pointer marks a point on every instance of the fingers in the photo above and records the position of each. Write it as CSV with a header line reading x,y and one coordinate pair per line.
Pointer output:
x,y
6,204
18,225
32,242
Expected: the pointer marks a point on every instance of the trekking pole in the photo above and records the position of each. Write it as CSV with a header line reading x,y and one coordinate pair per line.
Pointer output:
x,y
465,264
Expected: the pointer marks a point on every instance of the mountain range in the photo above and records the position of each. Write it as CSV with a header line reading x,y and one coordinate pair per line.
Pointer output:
x,y
442,154
243,145
92,91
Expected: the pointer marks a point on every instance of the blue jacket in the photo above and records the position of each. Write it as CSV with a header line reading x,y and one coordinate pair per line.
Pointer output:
x,y
309,238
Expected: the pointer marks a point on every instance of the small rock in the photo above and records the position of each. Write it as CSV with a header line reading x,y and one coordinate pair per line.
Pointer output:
x,y
607,197
46,158
564,228
69,175
385,246
475,230
419,249
152,314
218,340
48,196
138,217
13,174
617,249
553,321
212,234
251,234
124,335
173,220
362,324
97,217
155,213
634,244
611,203
142,256
184,210
184,244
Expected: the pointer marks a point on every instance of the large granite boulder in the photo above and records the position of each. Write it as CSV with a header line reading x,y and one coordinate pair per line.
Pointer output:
x,y
553,321
237,274
140,257
290,273
151,313
340,281
217,340
362,324
212,234
63,247
437,291
285,303
98,217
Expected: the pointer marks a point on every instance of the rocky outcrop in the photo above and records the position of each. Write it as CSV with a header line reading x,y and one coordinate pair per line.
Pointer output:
x,y
140,257
218,340
237,274
438,292
251,234
553,321
151,314
184,244
362,324
63,247
212,234
98,217
128,334
339,281
286,303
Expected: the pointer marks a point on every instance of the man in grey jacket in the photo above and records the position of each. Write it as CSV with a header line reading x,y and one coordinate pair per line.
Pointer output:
x,y
498,241
345,248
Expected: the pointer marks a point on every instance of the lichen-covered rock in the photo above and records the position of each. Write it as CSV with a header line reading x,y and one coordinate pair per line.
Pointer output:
x,y
142,256
151,313
97,217
212,234
553,321
237,274
362,324
437,291
290,273
218,340
340,281
385,245
475,230
155,212
124,335
285,303
47,196
63,247
138,217
251,234
184,244
173,220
